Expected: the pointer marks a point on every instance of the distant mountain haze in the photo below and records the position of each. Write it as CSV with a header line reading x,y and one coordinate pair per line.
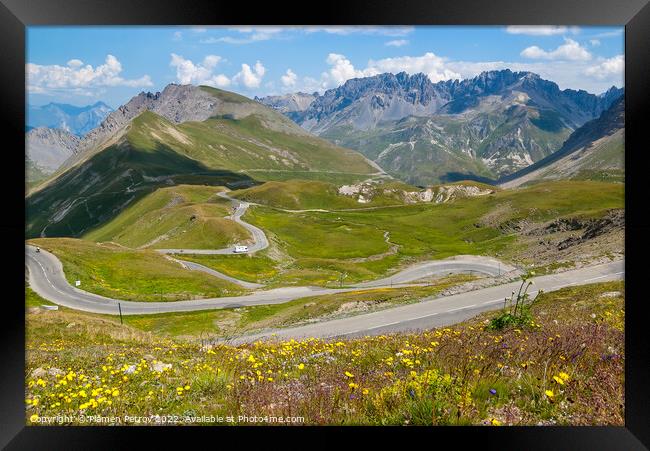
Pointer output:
x,y
73,119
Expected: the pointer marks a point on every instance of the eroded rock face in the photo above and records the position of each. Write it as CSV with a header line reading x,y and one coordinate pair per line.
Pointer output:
x,y
592,228
176,103
365,192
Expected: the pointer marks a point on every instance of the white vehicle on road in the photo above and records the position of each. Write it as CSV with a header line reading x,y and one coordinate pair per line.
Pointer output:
x,y
240,249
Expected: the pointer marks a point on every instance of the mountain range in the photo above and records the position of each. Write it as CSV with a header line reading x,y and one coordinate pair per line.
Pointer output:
x,y
423,132
184,134
595,150
77,120
502,126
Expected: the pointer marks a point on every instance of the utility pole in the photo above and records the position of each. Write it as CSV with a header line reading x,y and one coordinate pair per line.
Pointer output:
x,y
119,306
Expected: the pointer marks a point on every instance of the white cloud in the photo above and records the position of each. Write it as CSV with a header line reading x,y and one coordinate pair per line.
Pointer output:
x,y
77,76
609,34
251,35
289,79
250,77
397,43
187,72
614,66
430,64
567,74
594,42
341,69
541,30
75,63
570,50
369,30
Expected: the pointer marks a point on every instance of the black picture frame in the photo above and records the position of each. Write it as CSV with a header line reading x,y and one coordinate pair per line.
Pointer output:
x,y
15,15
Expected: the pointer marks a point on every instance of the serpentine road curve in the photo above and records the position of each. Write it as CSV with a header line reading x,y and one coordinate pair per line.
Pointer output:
x,y
259,238
46,277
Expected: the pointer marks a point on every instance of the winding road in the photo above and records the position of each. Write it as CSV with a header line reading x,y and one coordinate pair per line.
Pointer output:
x,y
46,277
259,238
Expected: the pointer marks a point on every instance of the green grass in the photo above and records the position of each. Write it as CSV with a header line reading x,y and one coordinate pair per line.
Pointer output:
x,y
320,234
155,152
434,377
320,246
32,299
183,216
248,267
297,272
309,194
143,275
229,322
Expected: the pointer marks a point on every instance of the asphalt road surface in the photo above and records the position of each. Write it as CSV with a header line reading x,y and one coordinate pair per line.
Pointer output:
x,y
438,312
46,277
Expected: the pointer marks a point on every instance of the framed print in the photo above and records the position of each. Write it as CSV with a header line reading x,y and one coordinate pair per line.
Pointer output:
x,y
379,215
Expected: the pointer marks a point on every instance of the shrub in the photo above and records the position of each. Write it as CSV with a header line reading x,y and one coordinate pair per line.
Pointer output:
x,y
516,310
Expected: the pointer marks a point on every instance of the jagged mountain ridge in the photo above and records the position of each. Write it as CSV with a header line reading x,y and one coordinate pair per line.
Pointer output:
x,y
486,126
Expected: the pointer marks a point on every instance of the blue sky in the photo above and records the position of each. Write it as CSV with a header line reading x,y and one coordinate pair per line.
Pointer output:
x,y
81,65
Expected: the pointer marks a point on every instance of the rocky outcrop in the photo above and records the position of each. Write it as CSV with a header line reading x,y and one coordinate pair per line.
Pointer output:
x,y
176,103
365,192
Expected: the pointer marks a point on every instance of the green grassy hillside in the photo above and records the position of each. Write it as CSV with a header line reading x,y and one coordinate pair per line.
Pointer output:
x,y
439,230
303,194
183,216
155,153
135,275
319,247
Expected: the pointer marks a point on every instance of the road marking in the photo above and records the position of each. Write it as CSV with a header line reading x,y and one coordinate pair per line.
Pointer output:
x,y
380,326
606,275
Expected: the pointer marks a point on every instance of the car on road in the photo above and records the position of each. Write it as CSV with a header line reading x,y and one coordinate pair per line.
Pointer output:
x,y
240,249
